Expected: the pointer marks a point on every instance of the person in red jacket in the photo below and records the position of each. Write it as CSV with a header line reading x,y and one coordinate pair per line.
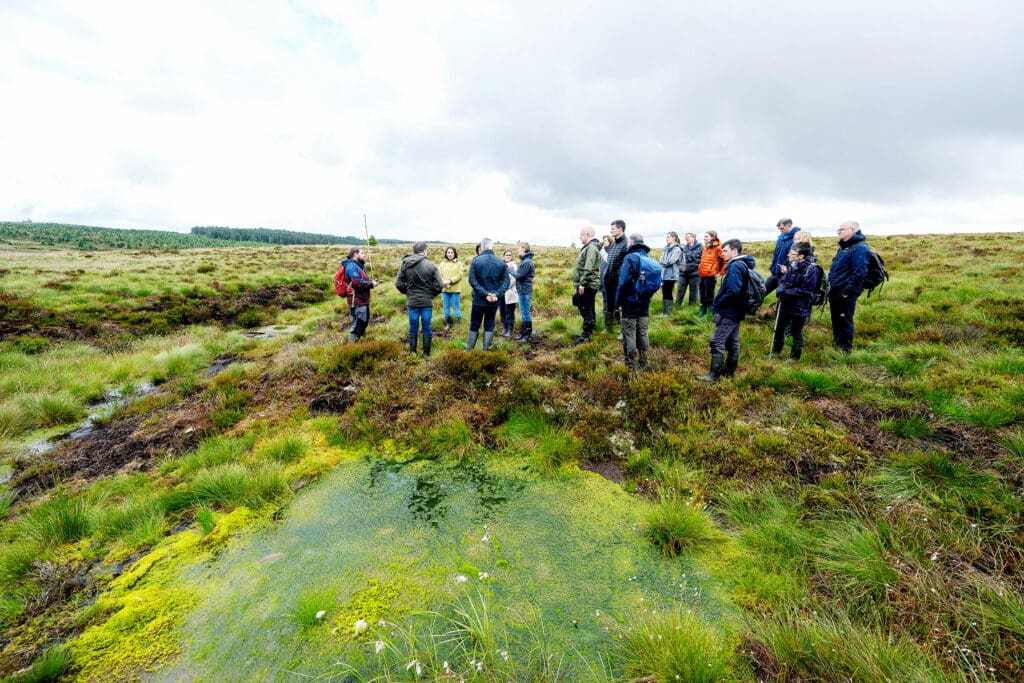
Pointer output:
x,y
711,266
359,296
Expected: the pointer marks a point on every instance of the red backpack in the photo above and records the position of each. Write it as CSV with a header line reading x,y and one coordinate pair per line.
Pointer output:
x,y
342,286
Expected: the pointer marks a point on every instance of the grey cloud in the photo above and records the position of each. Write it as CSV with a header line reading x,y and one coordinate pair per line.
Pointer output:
x,y
143,169
673,107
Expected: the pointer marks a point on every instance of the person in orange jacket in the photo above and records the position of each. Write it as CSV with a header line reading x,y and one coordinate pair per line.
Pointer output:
x,y
711,266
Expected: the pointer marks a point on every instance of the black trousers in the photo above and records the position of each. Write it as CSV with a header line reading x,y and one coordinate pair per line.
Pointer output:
x,y
789,319
707,290
587,311
842,310
667,287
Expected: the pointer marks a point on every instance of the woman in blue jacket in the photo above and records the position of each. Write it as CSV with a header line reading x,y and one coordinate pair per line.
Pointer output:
x,y
797,285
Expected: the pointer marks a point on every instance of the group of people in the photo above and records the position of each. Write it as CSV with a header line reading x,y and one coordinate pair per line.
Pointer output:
x,y
613,267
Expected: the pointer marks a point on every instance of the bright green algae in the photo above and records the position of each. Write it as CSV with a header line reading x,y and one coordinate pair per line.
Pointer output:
x,y
390,540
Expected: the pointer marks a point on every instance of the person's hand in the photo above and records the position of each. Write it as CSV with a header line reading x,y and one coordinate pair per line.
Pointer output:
x,y
783,269
492,298
447,283
581,288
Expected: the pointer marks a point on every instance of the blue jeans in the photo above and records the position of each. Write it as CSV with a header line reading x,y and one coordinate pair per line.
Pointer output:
x,y
524,308
417,314
450,300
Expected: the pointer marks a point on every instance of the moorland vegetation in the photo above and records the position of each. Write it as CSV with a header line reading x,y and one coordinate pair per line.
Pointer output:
x,y
854,517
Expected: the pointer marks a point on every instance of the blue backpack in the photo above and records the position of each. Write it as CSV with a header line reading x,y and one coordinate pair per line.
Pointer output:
x,y
648,280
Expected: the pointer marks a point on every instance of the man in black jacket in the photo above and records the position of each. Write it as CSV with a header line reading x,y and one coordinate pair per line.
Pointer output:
x,y
420,281
616,253
488,276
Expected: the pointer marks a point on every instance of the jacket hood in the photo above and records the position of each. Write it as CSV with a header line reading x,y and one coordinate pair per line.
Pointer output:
x,y
413,259
855,238
639,246
747,260
526,255
787,236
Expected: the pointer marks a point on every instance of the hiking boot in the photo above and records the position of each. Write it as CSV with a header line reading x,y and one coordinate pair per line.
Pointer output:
x,y
507,329
471,340
717,368
527,333
447,323
488,338
352,338
580,340
732,361
427,340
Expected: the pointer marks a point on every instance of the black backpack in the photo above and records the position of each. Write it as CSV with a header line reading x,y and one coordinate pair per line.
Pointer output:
x,y
820,295
877,274
755,291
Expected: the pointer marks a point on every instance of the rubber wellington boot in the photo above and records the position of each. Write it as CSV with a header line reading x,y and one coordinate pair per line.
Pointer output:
x,y
701,311
412,343
731,362
471,340
447,322
717,368
427,339
488,338
668,308
527,332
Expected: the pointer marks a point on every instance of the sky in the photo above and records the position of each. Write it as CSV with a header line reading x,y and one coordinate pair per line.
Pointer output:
x,y
522,120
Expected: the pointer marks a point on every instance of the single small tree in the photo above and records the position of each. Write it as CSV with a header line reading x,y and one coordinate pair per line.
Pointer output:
x,y
371,241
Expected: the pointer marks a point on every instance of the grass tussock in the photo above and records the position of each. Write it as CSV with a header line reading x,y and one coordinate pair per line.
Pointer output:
x,y
675,526
678,645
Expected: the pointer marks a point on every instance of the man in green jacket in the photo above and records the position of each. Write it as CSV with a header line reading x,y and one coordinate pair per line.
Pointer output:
x,y
586,282
420,281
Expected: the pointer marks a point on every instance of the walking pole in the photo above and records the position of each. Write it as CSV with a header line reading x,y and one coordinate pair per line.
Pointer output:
x,y
778,313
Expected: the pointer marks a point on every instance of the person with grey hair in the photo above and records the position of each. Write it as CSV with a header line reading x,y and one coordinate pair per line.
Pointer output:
x,y
420,281
846,282
586,282
488,277
634,300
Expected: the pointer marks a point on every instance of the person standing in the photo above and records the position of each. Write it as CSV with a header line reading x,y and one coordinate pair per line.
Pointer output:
x,y
359,292
524,284
730,308
796,288
488,277
711,266
846,282
586,281
451,273
689,278
634,306
420,281
616,253
671,261
508,310
787,231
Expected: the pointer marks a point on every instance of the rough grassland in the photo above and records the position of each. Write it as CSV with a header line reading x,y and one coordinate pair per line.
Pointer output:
x,y
856,517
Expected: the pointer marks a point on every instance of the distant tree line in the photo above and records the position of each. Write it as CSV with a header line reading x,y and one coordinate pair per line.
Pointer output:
x,y
92,238
268,236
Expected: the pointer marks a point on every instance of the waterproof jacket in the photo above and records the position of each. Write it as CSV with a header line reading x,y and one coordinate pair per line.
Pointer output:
x,y
692,254
616,253
671,259
359,283
524,274
587,271
633,306
511,294
451,270
711,262
488,274
419,280
731,300
782,246
797,286
849,266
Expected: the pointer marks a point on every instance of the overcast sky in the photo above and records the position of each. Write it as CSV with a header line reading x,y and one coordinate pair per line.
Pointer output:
x,y
518,120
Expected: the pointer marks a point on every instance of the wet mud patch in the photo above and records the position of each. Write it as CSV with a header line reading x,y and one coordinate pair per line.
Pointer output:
x,y
610,470
131,443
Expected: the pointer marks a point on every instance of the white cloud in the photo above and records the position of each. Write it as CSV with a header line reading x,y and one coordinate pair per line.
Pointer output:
x,y
454,120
